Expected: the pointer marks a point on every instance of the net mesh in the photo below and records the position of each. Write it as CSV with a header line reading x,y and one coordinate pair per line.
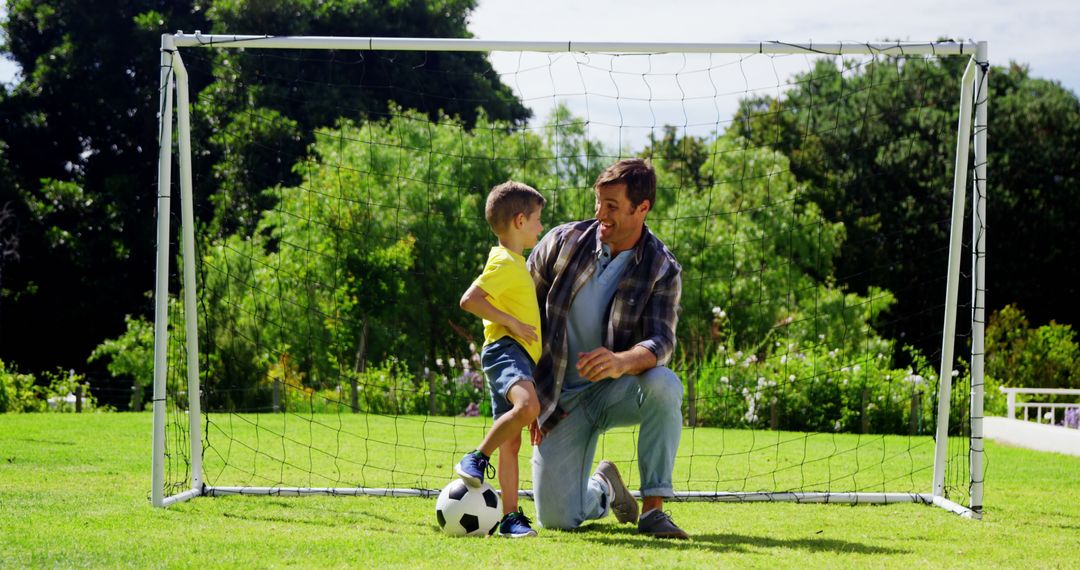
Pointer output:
x,y
339,198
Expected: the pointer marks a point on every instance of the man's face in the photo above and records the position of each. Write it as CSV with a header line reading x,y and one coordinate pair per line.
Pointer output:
x,y
620,223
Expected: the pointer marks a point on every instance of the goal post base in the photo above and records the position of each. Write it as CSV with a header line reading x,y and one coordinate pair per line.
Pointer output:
x,y
181,497
684,496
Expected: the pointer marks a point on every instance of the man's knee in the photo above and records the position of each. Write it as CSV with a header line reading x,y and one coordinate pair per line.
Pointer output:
x,y
661,385
557,520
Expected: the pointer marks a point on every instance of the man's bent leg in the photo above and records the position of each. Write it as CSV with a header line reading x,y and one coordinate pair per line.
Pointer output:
x,y
653,400
565,494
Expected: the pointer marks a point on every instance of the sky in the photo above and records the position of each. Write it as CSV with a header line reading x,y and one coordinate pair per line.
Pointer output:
x,y
1044,34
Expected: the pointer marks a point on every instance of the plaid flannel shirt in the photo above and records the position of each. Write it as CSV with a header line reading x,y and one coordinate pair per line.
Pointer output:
x,y
643,313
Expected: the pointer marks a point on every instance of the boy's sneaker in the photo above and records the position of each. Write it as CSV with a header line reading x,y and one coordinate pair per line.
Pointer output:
x,y
658,524
623,502
516,525
471,468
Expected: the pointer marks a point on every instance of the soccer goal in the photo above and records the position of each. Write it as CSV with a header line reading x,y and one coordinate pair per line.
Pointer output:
x,y
308,338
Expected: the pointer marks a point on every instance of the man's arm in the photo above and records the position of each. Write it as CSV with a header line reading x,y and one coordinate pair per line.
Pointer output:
x,y
661,315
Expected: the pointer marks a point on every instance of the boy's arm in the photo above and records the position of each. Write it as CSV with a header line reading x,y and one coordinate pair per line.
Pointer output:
x,y
475,301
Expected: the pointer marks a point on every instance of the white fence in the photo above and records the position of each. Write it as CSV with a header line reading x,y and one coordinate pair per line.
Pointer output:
x,y
1051,409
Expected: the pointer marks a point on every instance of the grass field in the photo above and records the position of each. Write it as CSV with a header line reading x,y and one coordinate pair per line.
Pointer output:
x,y
74,492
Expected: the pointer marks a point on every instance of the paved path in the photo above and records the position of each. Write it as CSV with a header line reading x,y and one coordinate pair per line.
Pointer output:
x,y
1040,437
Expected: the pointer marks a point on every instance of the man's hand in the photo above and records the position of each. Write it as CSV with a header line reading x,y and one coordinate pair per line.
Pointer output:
x,y
598,364
522,331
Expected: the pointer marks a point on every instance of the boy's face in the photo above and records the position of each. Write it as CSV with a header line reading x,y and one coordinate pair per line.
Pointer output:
x,y
532,228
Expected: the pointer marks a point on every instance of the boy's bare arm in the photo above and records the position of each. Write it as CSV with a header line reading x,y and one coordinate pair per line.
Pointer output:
x,y
475,301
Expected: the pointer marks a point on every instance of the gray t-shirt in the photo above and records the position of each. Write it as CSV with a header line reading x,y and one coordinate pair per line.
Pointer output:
x,y
585,322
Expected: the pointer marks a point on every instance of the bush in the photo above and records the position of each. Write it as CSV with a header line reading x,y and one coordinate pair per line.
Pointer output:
x,y
18,392
1020,356
21,393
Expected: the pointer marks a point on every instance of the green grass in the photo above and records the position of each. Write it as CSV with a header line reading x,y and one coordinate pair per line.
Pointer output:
x,y
74,492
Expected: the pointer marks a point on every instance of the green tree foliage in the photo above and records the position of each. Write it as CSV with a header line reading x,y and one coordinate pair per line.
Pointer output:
x,y
79,131
365,258
80,128
875,145
1021,356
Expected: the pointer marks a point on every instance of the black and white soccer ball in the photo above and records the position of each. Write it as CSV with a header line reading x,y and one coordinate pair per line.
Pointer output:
x,y
465,511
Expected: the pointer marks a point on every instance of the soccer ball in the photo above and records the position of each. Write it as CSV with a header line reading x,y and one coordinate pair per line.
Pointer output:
x,y
464,511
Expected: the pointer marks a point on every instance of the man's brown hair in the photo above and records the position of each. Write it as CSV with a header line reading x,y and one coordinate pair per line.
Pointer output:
x,y
509,199
637,174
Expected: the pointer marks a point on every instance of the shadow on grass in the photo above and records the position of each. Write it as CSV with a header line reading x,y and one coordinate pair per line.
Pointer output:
x,y
722,542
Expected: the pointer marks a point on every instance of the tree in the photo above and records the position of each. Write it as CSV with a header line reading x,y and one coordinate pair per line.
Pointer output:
x,y
81,130
876,144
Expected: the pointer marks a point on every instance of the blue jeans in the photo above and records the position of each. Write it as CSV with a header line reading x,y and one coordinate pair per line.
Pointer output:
x,y
565,492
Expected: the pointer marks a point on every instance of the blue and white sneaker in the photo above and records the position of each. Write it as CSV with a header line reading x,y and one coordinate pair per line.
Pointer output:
x,y
516,525
471,468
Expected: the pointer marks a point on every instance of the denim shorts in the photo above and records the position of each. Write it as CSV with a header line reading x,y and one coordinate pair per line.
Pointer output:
x,y
505,363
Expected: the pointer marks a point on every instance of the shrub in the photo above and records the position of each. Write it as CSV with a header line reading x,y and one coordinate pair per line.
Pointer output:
x,y
1020,356
18,392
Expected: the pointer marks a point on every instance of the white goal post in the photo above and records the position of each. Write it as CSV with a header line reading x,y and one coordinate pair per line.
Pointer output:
x,y
970,130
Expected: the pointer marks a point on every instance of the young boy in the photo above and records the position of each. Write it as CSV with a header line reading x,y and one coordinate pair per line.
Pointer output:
x,y
505,298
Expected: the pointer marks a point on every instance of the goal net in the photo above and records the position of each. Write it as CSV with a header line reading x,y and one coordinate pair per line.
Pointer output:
x,y
321,211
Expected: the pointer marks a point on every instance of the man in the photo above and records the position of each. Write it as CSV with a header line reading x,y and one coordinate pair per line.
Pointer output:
x,y
609,293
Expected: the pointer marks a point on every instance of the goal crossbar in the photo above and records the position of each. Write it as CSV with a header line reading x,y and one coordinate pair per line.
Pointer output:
x,y
475,45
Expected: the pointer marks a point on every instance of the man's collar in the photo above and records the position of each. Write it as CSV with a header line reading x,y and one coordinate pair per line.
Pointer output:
x,y
639,247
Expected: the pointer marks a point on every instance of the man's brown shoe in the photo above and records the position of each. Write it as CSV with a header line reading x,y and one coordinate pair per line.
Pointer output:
x,y
623,503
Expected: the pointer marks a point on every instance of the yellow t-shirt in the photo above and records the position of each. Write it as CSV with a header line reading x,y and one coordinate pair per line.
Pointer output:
x,y
510,289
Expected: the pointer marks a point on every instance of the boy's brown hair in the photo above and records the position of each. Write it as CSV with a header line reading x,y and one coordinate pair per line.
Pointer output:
x,y
509,199
637,174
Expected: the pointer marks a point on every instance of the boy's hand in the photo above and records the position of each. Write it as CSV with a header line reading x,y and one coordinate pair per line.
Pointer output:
x,y
536,435
523,331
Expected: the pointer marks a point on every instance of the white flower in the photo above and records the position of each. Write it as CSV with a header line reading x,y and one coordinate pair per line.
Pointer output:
x,y
438,363
791,378
723,379
472,347
836,427
955,373
783,359
821,337
723,348
856,368
730,362
738,354
452,362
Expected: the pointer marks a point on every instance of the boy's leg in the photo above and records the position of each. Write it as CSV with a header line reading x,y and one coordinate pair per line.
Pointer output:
x,y
521,395
508,473
526,407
